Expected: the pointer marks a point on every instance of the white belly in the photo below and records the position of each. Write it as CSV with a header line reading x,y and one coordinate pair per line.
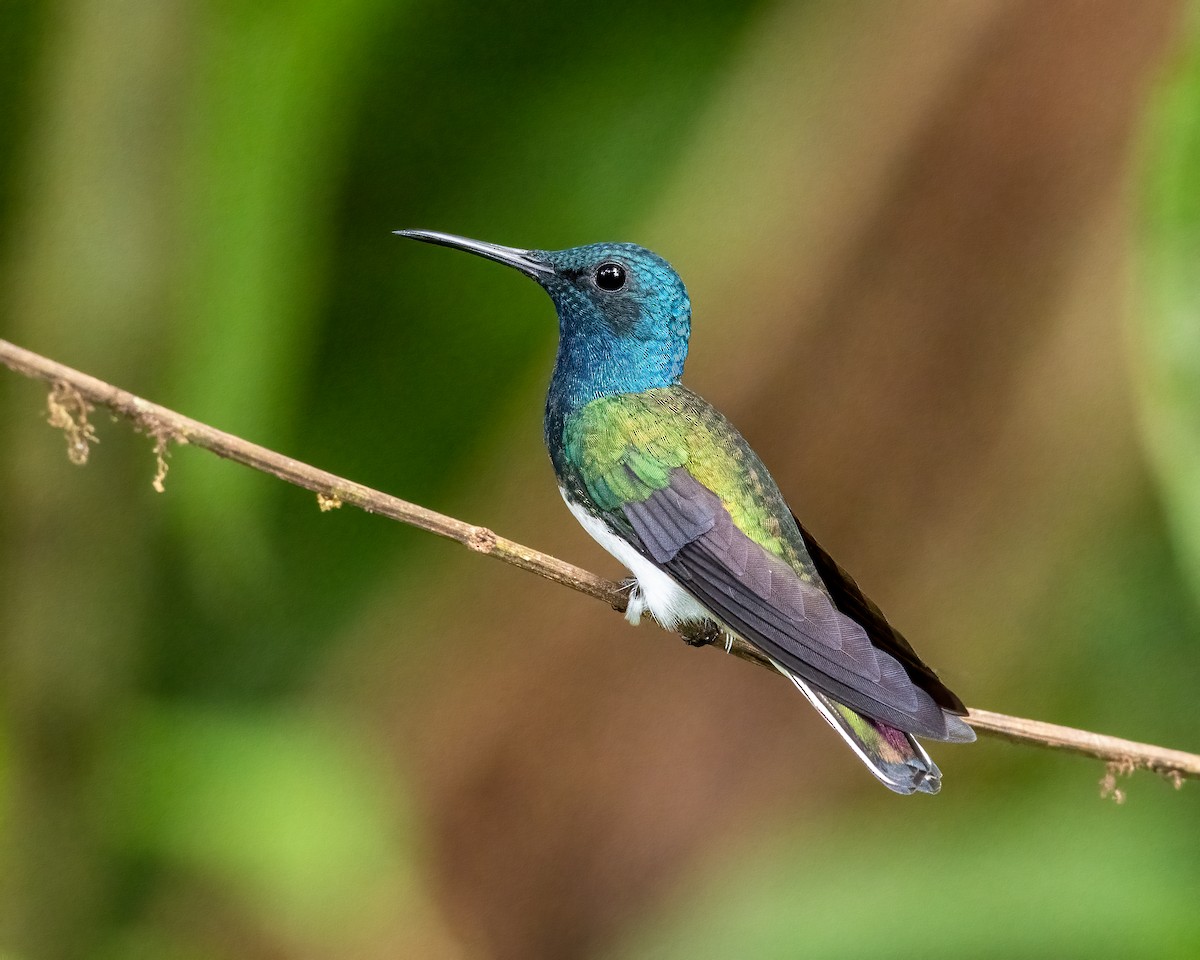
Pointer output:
x,y
667,602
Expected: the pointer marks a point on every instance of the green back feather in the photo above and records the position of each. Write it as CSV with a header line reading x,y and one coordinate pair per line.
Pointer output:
x,y
622,448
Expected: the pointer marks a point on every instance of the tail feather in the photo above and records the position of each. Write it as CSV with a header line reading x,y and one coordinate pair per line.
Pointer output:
x,y
896,759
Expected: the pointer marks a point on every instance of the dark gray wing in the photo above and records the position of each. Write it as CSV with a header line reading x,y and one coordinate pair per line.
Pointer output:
x,y
685,529
848,597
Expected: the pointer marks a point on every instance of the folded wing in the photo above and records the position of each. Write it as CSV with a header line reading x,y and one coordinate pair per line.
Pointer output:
x,y
686,530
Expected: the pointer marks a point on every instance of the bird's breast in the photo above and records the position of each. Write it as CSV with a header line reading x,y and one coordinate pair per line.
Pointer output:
x,y
668,602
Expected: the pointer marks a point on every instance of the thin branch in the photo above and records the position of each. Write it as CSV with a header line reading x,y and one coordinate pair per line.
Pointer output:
x,y
74,393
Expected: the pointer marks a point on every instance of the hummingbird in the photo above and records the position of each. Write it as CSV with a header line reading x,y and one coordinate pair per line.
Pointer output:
x,y
670,488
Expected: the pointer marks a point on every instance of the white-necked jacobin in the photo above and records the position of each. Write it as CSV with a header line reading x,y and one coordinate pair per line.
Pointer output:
x,y
667,486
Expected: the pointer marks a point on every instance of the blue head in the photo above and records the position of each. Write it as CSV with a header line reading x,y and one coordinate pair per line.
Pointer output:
x,y
623,314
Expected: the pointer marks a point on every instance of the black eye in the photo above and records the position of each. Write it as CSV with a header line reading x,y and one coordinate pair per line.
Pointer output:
x,y
610,276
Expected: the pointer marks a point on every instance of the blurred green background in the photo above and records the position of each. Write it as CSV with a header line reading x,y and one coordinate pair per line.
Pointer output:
x,y
945,262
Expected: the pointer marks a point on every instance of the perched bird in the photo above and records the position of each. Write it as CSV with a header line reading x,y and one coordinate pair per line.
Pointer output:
x,y
667,486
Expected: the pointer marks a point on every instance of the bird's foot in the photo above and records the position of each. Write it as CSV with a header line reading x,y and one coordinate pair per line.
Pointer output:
x,y
702,633
636,605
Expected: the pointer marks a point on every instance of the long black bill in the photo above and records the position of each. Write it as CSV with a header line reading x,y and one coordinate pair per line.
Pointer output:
x,y
523,260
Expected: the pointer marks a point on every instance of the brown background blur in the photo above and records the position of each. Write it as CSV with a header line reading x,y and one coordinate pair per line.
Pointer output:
x,y
909,232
